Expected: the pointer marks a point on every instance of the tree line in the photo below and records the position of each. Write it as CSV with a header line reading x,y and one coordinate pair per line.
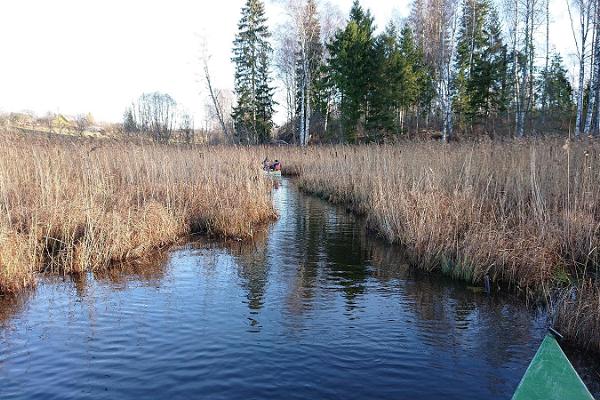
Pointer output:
x,y
453,66
158,116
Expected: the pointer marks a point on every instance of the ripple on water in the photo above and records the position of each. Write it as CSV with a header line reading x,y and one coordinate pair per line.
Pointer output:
x,y
313,308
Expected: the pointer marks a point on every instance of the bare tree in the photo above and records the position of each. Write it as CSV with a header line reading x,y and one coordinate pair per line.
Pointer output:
x,y
332,20
434,23
595,68
82,122
214,95
186,127
309,36
298,56
156,114
585,10
49,121
286,48
448,47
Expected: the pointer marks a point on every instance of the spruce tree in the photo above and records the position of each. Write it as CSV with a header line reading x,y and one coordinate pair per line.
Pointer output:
x,y
480,62
558,91
253,113
351,69
386,92
417,78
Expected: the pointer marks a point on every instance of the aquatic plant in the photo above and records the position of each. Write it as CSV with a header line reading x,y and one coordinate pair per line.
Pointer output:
x,y
73,205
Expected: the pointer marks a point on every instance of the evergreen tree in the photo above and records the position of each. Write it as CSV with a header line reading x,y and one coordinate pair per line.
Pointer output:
x,y
351,69
417,78
558,91
253,113
129,124
386,94
480,62
492,73
401,82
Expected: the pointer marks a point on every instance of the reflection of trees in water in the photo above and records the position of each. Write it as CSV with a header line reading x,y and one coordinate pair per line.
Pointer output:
x,y
253,268
488,324
149,271
309,238
13,305
503,323
328,247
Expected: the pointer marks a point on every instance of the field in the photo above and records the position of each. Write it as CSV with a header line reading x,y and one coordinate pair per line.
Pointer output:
x,y
526,214
75,205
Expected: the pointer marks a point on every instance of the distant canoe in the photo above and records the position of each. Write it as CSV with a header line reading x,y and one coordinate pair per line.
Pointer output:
x,y
551,376
273,173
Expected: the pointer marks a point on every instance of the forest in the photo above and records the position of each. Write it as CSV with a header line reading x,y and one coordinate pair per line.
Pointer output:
x,y
451,68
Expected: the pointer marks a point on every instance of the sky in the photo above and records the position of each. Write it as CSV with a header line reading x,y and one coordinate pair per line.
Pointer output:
x,y
80,56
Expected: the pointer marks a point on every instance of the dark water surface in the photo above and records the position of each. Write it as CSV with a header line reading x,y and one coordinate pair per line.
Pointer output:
x,y
314,309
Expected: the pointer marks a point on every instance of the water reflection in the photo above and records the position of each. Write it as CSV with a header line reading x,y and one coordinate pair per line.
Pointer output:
x,y
313,307
149,271
12,305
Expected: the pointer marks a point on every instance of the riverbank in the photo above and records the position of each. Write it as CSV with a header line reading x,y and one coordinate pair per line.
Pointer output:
x,y
74,205
524,213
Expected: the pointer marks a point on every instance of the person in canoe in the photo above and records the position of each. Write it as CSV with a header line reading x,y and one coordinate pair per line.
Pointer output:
x,y
276,166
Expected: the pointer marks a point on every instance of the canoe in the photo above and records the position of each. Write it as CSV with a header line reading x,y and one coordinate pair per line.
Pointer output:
x,y
273,173
551,376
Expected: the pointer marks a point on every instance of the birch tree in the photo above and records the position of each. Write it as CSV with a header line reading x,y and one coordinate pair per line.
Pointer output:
x,y
299,58
448,47
584,10
595,64
285,65
309,63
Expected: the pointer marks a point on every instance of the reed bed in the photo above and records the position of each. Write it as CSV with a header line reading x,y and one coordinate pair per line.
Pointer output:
x,y
69,206
523,213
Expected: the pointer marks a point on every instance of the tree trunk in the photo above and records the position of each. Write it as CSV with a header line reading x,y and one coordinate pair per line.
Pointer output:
x,y
595,75
581,71
215,101
308,114
546,66
524,75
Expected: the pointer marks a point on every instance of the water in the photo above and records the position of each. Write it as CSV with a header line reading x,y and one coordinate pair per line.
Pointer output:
x,y
312,309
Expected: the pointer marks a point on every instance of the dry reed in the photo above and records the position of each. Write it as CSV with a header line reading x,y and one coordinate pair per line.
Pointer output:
x,y
524,213
74,205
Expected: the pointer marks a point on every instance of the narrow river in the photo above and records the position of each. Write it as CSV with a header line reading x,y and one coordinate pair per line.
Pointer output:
x,y
312,309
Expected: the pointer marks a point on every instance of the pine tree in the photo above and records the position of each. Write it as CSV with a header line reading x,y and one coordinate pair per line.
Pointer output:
x,y
351,67
253,114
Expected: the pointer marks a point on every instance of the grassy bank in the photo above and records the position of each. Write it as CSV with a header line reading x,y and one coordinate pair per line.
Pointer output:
x,y
75,205
526,214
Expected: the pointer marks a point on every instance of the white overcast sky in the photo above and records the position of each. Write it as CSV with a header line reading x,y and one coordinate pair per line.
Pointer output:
x,y
75,56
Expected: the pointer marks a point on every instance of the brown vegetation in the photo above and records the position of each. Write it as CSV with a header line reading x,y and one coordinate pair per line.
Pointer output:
x,y
524,213
76,205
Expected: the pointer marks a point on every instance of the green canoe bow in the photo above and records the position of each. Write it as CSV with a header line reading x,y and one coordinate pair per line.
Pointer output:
x,y
551,376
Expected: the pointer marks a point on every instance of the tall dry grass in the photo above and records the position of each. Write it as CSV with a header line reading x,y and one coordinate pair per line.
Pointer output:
x,y
74,205
525,213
